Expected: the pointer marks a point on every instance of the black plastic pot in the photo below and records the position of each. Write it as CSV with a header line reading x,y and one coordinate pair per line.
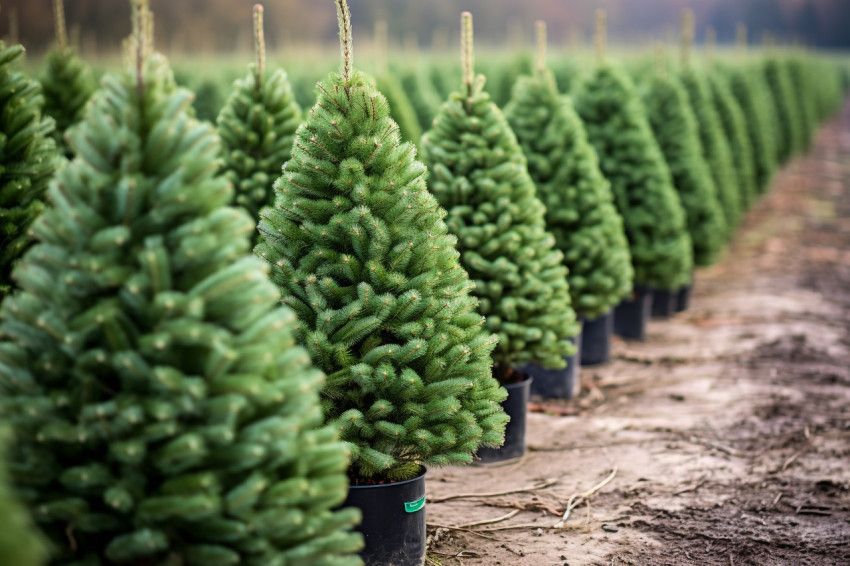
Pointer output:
x,y
557,383
683,298
393,524
516,406
632,315
664,303
596,339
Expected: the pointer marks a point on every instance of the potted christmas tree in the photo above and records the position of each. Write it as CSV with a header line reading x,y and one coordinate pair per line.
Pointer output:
x,y
360,251
631,160
734,125
580,210
162,412
675,128
27,159
257,126
714,143
67,82
751,92
479,174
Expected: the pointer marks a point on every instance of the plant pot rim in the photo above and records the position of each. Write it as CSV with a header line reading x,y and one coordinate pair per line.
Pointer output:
x,y
422,472
526,378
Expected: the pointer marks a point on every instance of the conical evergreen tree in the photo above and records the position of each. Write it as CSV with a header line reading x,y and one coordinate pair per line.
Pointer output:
x,y
67,83
359,249
20,543
734,125
257,127
401,109
479,174
753,96
677,133
423,96
162,412
580,210
27,159
501,76
444,75
784,98
389,85
804,82
632,162
718,156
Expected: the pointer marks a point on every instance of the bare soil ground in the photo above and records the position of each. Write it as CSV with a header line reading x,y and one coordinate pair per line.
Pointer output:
x,y
727,432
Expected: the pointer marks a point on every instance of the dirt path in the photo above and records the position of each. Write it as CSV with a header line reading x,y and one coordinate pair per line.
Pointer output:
x,y
729,429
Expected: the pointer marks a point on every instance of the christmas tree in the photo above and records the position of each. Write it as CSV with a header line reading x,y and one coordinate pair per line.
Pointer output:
x,y
803,82
67,83
501,76
423,95
389,85
360,251
479,174
718,156
677,133
162,412
20,543
753,96
734,125
617,126
787,111
27,159
580,210
257,127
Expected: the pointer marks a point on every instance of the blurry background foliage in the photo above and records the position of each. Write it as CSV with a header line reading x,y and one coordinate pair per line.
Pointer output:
x,y
301,27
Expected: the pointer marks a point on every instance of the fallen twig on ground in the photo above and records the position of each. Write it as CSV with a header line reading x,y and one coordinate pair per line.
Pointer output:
x,y
555,410
484,522
702,481
539,485
578,498
462,529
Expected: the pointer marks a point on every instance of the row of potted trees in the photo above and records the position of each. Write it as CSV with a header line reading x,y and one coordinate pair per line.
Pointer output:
x,y
167,411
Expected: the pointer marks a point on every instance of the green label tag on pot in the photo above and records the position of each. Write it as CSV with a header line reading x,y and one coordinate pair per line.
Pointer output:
x,y
415,506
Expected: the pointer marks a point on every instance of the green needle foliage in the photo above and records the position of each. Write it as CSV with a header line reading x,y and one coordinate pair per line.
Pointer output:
x,y
67,83
423,96
360,251
257,127
501,76
401,108
580,210
163,413
479,174
785,100
755,101
734,125
27,159
677,133
20,543
631,160
718,156
804,83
